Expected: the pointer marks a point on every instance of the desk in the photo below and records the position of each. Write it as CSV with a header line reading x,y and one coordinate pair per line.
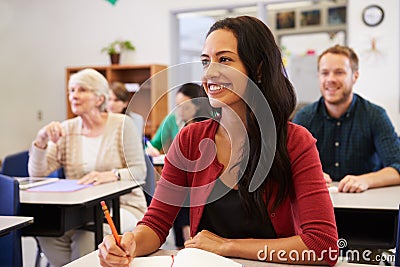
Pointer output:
x,y
11,223
384,198
92,260
58,212
368,219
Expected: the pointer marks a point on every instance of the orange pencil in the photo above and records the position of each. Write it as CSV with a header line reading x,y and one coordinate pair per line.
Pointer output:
x,y
111,223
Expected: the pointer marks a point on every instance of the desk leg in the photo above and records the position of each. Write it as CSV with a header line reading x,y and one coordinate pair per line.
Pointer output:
x,y
116,214
98,224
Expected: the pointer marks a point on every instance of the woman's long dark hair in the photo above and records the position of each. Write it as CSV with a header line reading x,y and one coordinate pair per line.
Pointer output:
x,y
121,93
262,59
199,97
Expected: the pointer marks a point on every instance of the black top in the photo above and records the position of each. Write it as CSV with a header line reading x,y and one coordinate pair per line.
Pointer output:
x,y
227,217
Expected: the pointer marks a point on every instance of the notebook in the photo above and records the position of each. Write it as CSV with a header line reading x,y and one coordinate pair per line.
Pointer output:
x,y
62,185
29,182
192,257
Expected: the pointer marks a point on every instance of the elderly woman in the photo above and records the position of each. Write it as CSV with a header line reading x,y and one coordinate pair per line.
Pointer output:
x,y
90,148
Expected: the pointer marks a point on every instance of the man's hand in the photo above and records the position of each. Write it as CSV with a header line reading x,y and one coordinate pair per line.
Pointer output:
x,y
352,184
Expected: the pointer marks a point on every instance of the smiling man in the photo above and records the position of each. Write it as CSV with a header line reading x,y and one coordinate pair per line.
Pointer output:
x,y
356,140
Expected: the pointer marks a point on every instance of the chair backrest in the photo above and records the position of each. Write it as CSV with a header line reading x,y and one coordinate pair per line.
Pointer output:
x,y
397,253
16,164
149,186
10,245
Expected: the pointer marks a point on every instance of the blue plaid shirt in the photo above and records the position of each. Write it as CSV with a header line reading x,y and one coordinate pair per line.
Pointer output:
x,y
363,140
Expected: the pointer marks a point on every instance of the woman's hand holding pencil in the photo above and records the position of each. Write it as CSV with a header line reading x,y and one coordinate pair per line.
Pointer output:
x,y
110,223
119,251
114,250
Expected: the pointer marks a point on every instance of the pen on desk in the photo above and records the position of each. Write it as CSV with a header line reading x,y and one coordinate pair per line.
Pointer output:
x,y
111,223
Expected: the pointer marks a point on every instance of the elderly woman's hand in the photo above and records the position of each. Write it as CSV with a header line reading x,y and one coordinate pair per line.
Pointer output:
x,y
96,178
52,131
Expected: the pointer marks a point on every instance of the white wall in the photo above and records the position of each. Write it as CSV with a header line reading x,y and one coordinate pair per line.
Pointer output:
x,y
379,70
38,39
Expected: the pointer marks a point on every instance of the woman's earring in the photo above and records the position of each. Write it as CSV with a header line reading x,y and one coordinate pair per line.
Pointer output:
x,y
259,80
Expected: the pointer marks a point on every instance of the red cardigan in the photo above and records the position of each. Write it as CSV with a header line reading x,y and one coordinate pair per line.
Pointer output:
x,y
308,212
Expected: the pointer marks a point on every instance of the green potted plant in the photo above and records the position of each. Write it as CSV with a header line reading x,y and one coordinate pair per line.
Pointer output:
x,y
115,49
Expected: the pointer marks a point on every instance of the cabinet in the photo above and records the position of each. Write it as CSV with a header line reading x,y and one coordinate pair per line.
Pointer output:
x,y
151,101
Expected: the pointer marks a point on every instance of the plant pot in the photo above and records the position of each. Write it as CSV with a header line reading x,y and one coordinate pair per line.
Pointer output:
x,y
114,58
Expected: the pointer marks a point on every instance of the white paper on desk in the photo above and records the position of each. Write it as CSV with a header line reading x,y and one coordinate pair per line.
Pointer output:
x,y
192,257
62,185
158,261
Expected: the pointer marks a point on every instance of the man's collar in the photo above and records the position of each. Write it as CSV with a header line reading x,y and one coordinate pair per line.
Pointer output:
x,y
322,108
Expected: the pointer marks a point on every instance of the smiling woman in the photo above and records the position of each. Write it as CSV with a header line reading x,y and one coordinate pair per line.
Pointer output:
x,y
260,188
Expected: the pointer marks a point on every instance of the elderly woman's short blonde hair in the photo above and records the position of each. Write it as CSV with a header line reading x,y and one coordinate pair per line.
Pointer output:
x,y
92,80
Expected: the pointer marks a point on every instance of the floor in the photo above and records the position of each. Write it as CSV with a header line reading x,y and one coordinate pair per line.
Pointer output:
x,y
29,250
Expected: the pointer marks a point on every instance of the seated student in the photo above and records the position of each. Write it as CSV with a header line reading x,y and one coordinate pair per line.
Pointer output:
x,y
267,168
357,143
118,101
192,105
189,108
90,149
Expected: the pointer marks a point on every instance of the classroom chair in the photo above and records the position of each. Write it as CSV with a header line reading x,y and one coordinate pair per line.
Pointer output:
x,y
149,186
16,165
10,245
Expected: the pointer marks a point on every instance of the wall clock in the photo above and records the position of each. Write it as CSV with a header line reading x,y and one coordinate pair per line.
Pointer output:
x,y
373,15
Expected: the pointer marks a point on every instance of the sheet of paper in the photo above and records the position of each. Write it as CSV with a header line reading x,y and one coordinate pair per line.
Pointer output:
x,y
192,257
62,185
159,261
